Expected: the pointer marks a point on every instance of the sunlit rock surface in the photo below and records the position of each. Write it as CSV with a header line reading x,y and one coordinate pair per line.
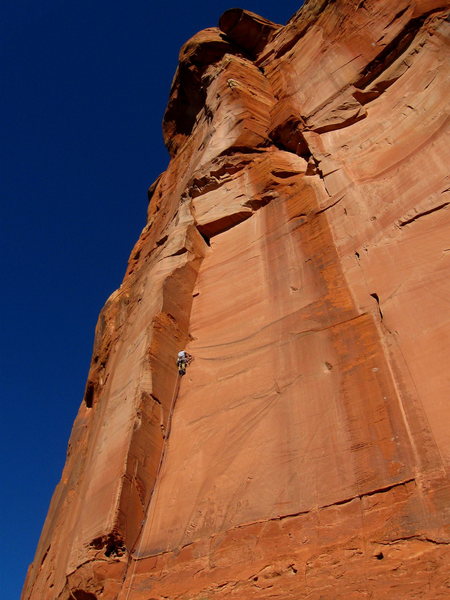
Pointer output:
x,y
298,246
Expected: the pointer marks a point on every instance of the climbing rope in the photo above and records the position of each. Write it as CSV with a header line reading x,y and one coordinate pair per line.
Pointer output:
x,y
154,492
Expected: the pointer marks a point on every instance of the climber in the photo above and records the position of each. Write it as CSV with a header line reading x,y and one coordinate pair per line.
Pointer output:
x,y
182,361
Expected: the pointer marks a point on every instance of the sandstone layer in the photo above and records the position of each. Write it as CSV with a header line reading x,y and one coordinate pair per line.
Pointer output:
x,y
298,246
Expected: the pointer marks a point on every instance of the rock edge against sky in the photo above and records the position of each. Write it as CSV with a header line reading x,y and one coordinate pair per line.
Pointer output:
x,y
298,247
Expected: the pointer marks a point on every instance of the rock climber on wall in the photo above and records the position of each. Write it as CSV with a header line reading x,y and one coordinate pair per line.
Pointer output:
x,y
182,361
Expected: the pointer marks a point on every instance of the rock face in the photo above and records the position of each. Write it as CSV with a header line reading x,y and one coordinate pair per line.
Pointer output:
x,y
298,246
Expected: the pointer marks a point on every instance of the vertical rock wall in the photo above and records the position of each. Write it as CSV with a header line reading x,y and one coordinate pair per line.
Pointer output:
x,y
298,247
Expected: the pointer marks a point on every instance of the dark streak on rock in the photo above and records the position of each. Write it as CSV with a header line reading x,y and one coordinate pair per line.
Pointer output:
x,y
162,240
396,17
377,299
391,52
208,230
341,124
419,538
423,214
325,208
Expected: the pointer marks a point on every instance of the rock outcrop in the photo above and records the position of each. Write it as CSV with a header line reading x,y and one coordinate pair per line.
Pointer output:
x,y
298,247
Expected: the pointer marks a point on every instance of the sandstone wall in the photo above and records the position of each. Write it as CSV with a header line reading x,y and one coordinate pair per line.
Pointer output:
x,y
298,246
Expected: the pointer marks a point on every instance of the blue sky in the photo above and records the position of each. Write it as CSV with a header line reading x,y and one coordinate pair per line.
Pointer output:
x,y
85,86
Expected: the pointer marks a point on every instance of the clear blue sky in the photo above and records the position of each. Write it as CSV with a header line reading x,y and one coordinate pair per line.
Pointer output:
x,y
85,84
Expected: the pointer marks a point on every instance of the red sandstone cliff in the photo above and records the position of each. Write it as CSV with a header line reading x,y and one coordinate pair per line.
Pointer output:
x,y
298,246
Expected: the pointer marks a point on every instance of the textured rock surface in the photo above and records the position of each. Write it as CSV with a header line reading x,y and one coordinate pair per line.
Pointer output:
x,y
298,245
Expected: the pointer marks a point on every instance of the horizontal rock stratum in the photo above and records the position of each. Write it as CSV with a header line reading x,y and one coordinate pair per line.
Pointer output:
x,y
298,247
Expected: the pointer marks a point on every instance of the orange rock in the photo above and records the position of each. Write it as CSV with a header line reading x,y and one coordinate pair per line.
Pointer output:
x,y
297,247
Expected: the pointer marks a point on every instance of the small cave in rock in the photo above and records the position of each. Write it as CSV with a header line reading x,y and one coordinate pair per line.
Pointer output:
x,y
112,545
162,240
283,174
115,548
379,556
89,394
206,239
81,595
288,136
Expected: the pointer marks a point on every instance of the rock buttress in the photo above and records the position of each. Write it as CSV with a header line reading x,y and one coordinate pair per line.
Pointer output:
x,y
297,246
